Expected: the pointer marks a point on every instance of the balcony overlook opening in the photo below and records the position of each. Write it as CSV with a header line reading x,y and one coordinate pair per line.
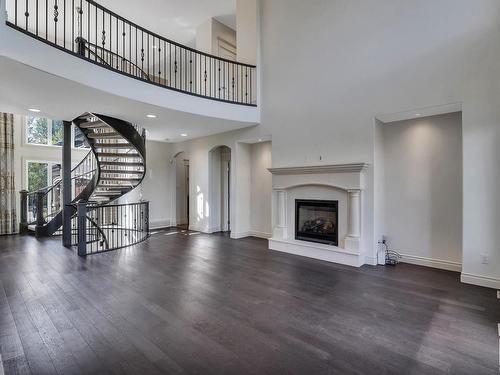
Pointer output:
x,y
90,31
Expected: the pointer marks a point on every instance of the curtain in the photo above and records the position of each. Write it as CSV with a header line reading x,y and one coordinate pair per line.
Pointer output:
x,y
8,219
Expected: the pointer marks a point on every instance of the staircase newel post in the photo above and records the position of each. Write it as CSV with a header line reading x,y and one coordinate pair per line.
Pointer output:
x,y
23,224
66,184
147,218
39,208
81,214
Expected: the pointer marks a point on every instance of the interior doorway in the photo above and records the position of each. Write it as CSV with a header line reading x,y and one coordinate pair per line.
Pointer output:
x,y
181,191
220,189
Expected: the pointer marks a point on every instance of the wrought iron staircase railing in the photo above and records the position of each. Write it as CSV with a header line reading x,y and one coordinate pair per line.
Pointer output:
x,y
88,30
115,165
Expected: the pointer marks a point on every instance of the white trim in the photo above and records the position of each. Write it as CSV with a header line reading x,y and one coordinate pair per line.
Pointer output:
x,y
487,282
371,261
237,236
498,328
255,233
317,251
498,294
334,168
432,262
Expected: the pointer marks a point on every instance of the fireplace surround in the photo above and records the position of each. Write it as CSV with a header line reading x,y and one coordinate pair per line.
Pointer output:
x,y
343,183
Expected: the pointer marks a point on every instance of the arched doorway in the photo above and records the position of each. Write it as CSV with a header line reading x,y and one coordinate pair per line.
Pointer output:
x,y
181,190
220,189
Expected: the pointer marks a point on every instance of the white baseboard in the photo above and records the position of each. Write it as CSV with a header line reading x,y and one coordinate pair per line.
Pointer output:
x,y
251,233
371,261
157,224
431,262
487,282
239,235
258,234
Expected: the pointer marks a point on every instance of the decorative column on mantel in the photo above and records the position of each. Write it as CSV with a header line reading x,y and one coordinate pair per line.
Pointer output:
x,y
280,229
351,241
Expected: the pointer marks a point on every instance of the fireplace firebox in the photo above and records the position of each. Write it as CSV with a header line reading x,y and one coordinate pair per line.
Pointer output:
x,y
316,221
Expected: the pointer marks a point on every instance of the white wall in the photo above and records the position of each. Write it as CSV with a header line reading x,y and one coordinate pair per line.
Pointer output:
x,y
208,34
197,151
246,31
261,189
157,185
387,57
181,187
423,189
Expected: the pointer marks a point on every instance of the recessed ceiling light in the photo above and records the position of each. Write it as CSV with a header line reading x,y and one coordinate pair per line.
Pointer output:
x,y
151,116
33,110
184,135
260,139
418,114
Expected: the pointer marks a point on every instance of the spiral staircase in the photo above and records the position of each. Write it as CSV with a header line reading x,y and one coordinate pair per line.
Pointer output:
x,y
115,165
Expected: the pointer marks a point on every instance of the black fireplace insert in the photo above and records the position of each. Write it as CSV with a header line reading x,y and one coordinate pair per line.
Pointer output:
x,y
316,221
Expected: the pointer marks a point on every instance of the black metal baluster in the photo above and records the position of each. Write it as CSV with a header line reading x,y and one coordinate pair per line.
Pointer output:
x,y
110,62
142,50
56,18
148,63
124,65
154,70
190,71
175,66
26,15
73,25
117,48
64,23
159,61
36,16
95,35
165,61
251,97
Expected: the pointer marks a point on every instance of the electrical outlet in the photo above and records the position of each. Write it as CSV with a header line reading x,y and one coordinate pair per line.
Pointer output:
x,y
485,259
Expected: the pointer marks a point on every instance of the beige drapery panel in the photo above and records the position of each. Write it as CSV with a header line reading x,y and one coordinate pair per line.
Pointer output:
x,y
8,219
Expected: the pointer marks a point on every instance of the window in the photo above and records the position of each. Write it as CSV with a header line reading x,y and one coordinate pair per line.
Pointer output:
x,y
37,130
43,131
41,174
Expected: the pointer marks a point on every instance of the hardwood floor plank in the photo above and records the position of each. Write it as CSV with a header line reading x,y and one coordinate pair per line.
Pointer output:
x,y
207,304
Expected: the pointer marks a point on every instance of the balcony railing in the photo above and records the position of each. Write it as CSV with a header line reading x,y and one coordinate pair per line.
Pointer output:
x,y
98,35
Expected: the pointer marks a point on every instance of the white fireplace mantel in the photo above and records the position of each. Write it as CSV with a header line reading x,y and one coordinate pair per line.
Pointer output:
x,y
348,178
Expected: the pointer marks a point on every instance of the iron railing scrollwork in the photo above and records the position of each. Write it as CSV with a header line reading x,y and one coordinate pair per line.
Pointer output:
x,y
88,30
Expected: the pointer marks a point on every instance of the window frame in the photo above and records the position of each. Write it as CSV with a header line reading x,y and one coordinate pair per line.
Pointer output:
x,y
49,134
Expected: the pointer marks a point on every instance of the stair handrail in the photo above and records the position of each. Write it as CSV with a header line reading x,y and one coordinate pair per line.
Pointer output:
x,y
86,43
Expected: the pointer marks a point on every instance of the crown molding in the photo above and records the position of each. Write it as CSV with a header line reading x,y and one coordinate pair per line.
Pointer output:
x,y
314,169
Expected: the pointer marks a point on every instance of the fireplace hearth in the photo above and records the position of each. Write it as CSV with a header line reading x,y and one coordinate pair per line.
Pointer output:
x,y
316,221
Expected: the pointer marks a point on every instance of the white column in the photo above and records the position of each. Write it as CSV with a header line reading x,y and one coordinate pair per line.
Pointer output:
x,y
352,239
279,230
354,229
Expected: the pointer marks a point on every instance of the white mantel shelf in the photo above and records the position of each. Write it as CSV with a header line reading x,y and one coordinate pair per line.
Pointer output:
x,y
319,169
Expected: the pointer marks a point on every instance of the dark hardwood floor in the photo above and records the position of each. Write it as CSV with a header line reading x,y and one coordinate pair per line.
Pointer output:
x,y
187,303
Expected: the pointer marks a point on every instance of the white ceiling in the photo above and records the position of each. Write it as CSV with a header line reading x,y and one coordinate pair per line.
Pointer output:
x,y
24,87
174,19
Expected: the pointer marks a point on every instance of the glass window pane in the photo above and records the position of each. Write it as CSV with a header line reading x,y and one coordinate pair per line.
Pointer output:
x,y
79,139
57,132
38,174
37,130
